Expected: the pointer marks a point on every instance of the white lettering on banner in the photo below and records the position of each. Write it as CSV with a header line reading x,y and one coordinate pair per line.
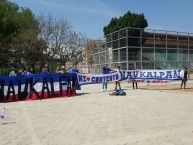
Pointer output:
x,y
94,78
153,76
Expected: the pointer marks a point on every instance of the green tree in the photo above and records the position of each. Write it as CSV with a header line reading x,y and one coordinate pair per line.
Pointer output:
x,y
8,28
27,45
19,30
130,20
29,39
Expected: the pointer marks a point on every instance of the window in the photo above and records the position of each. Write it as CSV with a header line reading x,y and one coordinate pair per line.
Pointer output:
x,y
172,55
134,53
191,55
148,54
123,54
183,55
160,55
115,56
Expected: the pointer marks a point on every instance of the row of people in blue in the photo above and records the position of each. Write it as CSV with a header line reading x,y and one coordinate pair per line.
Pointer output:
x,y
46,70
24,71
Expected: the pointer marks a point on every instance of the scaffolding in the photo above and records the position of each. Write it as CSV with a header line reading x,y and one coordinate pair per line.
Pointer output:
x,y
145,49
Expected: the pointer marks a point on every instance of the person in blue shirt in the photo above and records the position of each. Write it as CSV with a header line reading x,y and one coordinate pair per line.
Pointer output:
x,y
106,70
14,71
46,69
28,71
74,69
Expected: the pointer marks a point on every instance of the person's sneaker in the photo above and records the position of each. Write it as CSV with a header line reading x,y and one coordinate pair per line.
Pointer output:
x,y
107,90
102,90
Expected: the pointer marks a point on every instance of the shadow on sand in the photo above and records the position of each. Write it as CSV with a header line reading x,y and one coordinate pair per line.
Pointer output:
x,y
80,94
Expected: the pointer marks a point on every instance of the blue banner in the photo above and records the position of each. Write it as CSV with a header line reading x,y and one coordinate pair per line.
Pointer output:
x,y
37,86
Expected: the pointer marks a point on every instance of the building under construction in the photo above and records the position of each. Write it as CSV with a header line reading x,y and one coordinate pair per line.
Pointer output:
x,y
143,49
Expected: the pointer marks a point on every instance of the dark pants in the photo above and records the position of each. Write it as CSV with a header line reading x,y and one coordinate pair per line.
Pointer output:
x,y
134,84
104,86
117,83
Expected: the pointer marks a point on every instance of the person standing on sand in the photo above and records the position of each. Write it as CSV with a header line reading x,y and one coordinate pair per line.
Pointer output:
x,y
185,77
105,70
117,83
134,81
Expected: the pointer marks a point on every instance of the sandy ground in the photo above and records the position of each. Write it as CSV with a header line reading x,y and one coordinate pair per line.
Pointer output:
x,y
174,87
158,114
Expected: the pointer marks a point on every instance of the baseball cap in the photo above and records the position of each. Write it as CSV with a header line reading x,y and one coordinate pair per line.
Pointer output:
x,y
63,66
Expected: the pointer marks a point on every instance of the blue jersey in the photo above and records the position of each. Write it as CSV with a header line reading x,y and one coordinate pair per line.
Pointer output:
x,y
106,70
74,70
45,71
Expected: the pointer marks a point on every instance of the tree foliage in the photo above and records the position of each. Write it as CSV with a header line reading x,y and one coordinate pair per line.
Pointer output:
x,y
130,20
127,20
26,39
18,35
